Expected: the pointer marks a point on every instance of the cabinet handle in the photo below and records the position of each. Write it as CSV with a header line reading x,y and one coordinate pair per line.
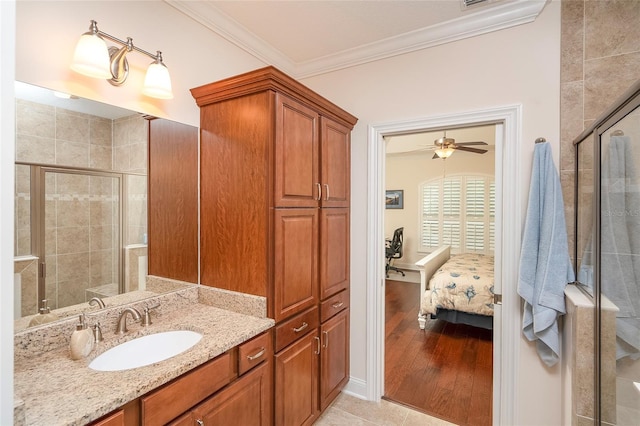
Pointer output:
x,y
326,339
337,305
319,192
317,352
302,327
200,422
256,356
326,195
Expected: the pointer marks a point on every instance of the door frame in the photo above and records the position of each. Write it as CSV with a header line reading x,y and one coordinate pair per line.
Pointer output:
x,y
507,248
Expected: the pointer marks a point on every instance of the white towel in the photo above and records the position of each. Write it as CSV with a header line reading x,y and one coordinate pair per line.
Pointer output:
x,y
545,265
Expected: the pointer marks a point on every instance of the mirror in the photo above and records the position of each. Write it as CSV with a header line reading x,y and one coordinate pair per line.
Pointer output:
x,y
81,204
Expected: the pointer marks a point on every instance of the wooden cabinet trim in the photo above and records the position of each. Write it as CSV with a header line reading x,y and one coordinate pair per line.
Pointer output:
x,y
291,330
173,399
254,352
334,305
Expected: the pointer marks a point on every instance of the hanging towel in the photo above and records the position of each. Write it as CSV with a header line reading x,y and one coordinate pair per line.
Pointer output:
x,y
545,266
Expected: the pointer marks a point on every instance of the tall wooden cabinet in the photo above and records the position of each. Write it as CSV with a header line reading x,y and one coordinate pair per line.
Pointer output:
x,y
274,197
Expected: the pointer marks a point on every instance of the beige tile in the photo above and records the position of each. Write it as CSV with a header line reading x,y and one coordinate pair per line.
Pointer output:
x,y
101,212
415,418
611,28
102,237
50,213
100,157
101,131
121,158
627,416
102,185
35,149
338,417
72,127
35,119
137,185
102,266
572,44
73,213
138,157
138,130
23,242
73,267
73,240
69,183
72,154
571,102
71,292
29,289
23,179
23,213
50,241
382,413
606,79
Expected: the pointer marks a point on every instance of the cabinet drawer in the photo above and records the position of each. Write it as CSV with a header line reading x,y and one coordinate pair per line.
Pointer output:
x,y
253,352
172,400
333,305
289,331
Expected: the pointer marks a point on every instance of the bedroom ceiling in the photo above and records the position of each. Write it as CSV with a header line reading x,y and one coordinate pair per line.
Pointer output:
x,y
306,37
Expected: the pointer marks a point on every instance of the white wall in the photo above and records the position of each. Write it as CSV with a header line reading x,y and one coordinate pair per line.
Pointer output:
x,y
514,66
7,135
520,65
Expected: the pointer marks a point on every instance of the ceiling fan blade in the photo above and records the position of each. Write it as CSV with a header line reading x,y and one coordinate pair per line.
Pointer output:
x,y
474,150
471,143
435,157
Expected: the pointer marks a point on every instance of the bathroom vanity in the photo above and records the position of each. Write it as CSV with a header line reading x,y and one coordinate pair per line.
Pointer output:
x,y
228,366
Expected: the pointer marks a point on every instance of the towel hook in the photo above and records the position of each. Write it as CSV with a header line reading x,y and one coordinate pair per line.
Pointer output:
x,y
541,140
617,133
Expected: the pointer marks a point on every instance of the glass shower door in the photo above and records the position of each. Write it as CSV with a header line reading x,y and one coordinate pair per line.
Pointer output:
x,y
80,236
618,299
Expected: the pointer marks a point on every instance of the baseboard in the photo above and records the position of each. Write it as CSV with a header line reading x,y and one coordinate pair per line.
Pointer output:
x,y
356,388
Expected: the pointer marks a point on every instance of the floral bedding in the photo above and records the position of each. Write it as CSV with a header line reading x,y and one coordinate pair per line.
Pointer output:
x,y
464,283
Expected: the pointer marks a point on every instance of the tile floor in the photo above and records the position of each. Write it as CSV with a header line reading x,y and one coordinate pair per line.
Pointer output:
x,y
347,410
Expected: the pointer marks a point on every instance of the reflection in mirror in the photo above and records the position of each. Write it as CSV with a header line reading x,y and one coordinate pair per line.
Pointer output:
x,y
81,204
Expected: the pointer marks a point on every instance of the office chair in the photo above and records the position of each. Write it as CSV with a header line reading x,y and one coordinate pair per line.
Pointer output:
x,y
393,250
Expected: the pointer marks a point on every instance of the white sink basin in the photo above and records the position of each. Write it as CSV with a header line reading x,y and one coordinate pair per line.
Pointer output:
x,y
145,350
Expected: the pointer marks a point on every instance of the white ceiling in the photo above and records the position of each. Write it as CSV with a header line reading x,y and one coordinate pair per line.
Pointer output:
x,y
310,37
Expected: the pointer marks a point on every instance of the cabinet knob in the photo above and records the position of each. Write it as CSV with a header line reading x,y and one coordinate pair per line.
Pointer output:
x,y
337,305
200,422
317,352
326,339
302,327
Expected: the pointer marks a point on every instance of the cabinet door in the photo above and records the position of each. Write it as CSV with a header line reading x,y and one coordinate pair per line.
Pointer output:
x,y
334,251
246,402
295,261
296,382
335,157
334,360
297,178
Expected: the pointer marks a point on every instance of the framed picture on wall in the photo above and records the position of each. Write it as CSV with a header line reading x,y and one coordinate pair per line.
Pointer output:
x,y
394,199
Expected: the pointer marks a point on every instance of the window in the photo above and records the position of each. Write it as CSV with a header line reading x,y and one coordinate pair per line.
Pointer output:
x,y
458,211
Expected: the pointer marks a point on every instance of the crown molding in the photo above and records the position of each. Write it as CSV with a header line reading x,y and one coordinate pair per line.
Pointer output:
x,y
480,21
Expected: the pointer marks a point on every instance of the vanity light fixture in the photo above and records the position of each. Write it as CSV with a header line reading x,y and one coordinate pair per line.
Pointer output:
x,y
92,58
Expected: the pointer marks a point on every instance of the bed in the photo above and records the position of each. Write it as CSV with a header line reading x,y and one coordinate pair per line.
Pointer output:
x,y
457,289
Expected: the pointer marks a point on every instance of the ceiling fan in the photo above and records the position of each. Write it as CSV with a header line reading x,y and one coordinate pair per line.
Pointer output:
x,y
445,146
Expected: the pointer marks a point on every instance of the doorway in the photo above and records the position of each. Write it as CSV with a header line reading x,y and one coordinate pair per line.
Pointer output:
x,y
507,247
441,367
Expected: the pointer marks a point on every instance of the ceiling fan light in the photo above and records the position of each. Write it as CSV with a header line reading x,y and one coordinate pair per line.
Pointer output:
x,y
444,152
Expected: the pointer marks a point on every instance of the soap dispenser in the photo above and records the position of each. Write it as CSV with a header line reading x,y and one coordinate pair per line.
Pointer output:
x,y
44,316
82,340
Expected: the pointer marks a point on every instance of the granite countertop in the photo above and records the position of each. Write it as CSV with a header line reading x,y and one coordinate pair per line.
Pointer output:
x,y
59,391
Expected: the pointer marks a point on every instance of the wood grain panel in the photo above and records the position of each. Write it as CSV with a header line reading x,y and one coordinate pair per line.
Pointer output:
x,y
236,188
334,251
173,200
334,359
335,156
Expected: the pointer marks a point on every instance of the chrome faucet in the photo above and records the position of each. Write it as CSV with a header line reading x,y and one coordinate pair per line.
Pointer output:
x,y
96,301
122,319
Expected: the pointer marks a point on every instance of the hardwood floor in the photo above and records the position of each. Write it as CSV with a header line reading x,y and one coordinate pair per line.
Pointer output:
x,y
445,370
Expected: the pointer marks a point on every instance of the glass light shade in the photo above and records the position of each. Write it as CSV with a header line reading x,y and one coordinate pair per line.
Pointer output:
x,y
91,57
157,82
444,152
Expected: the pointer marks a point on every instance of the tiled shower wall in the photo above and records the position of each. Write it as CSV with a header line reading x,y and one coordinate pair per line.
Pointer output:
x,y
600,61
81,210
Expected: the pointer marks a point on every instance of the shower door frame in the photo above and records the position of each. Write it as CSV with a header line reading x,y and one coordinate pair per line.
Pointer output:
x,y
38,194
624,105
